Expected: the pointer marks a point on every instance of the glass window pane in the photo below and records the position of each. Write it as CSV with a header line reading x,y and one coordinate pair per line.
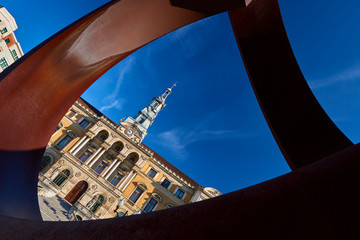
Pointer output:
x,y
179,193
85,156
136,194
150,206
45,161
116,179
84,123
165,183
100,167
65,141
151,173
3,63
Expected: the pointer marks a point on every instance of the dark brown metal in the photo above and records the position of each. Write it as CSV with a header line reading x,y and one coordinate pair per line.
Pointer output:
x,y
315,201
302,129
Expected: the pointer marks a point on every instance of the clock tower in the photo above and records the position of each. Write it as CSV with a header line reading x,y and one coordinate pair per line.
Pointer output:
x,y
136,127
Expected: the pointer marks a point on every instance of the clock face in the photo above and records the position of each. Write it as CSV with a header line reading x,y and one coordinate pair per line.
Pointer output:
x,y
129,131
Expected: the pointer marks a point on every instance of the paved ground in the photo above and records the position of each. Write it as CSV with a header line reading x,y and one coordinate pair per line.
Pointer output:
x,y
54,209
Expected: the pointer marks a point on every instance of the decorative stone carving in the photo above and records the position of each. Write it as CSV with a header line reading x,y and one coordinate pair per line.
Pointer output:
x,y
72,133
94,187
62,162
111,200
78,174
99,124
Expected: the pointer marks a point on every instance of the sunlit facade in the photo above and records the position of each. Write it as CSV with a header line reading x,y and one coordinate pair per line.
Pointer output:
x,y
104,170
10,49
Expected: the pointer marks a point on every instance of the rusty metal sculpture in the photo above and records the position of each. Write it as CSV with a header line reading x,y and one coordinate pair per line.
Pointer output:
x,y
314,200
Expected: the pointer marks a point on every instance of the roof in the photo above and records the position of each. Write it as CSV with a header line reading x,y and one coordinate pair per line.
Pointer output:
x,y
157,156
173,168
94,110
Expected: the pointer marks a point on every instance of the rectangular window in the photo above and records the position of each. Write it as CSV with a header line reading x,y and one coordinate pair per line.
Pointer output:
x,y
14,54
71,114
179,193
4,30
136,194
65,141
3,63
150,205
100,167
151,173
84,123
7,41
85,155
116,179
165,183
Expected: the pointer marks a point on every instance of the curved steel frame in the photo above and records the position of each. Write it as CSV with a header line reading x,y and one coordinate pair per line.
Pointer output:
x,y
315,199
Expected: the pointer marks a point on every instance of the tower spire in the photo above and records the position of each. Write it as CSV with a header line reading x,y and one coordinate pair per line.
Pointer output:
x,y
145,117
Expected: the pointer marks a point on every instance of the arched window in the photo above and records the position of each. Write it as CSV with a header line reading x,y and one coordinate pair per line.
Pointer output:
x,y
61,177
45,161
103,135
150,205
117,148
99,199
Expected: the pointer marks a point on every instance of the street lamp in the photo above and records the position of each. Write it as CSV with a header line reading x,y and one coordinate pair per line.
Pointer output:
x,y
120,204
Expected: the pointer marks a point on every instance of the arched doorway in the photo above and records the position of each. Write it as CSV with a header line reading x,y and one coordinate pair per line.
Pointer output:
x,y
76,192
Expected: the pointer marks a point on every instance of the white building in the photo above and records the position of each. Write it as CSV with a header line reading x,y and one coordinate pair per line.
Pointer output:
x,y
10,49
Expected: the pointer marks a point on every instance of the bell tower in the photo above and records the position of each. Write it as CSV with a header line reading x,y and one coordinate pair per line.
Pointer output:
x,y
145,117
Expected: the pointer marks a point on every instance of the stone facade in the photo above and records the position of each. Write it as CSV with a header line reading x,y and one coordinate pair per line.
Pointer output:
x,y
104,170
10,49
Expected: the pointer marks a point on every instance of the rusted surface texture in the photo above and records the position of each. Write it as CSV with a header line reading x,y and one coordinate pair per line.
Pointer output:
x,y
301,127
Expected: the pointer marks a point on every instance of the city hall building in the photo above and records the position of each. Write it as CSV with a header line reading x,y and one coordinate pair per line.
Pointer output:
x,y
104,170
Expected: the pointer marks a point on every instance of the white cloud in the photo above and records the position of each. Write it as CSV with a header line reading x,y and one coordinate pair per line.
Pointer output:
x,y
116,104
113,100
349,74
178,139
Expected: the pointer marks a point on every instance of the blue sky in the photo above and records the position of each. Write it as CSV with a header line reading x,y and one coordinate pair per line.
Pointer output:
x,y
212,127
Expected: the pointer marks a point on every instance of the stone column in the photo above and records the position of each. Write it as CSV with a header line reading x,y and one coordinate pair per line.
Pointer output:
x,y
77,144
108,169
112,170
128,182
97,157
93,155
126,178
81,146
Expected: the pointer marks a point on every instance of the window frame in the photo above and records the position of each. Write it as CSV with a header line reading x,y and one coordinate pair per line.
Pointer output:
x,y
152,173
137,197
4,30
106,165
84,123
162,182
3,63
44,162
119,179
88,156
178,189
63,139
149,208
